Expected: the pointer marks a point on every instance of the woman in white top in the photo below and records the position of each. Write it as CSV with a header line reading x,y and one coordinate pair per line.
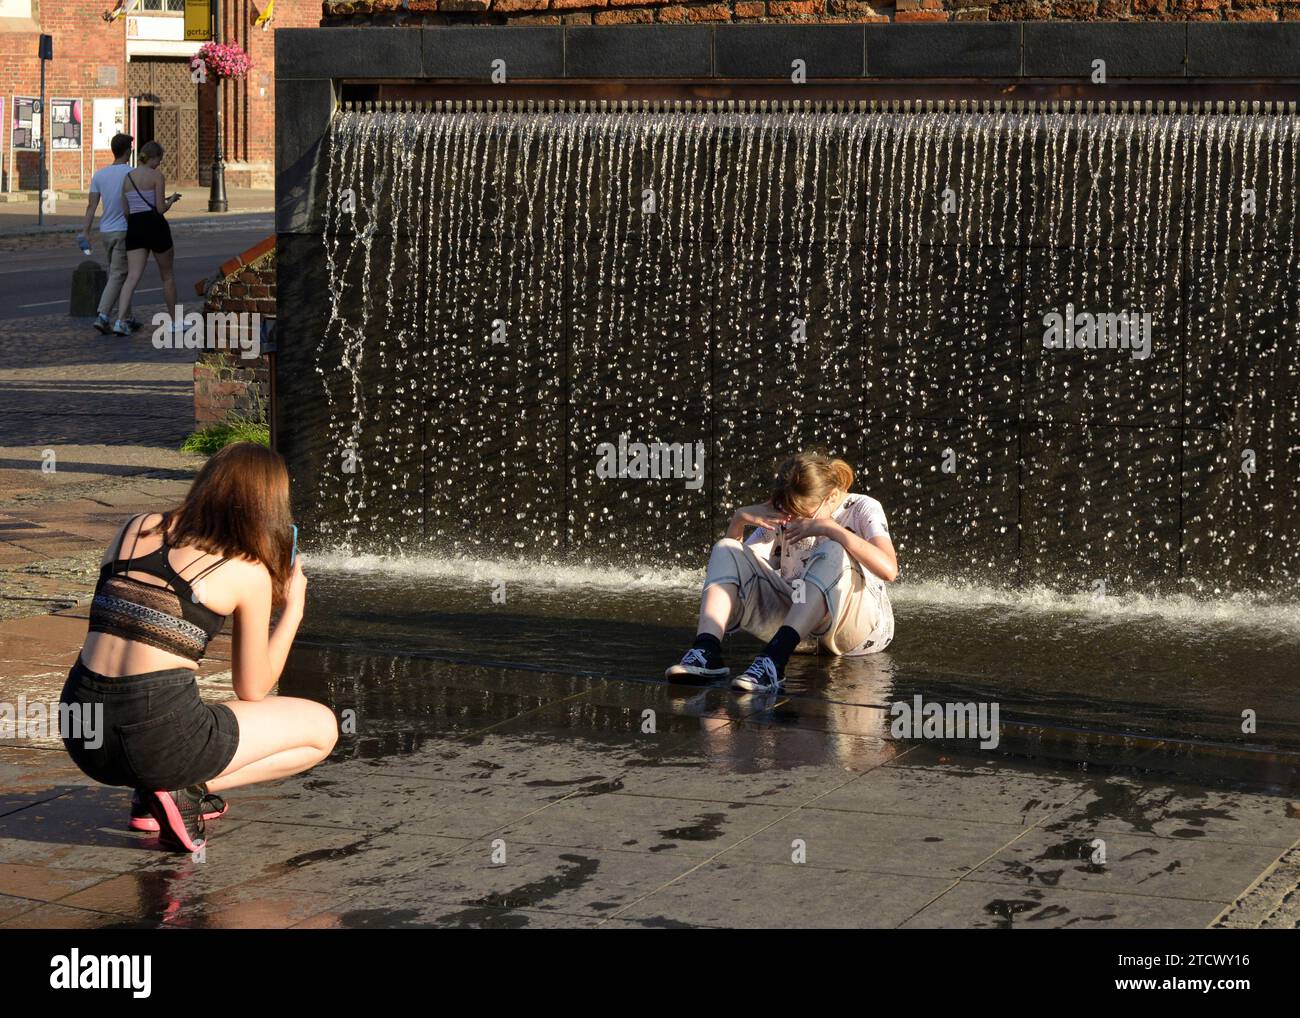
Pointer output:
x,y
815,567
144,190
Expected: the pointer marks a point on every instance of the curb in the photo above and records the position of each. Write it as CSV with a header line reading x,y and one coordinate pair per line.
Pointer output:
x,y
215,219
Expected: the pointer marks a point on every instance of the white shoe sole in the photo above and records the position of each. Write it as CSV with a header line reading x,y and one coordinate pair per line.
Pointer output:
x,y
743,685
677,671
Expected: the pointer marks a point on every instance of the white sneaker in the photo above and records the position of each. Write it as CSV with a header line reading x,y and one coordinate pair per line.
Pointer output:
x,y
760,677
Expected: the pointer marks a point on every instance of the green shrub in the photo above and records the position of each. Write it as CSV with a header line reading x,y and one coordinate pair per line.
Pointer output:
x,y
217,436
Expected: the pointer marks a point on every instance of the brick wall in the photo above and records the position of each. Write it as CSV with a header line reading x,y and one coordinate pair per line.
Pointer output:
x,y
248,106
89,50
225,384
616,12
84,46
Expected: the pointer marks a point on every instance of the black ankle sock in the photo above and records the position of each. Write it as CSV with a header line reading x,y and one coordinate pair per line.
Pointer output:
x,y
708,643
781,646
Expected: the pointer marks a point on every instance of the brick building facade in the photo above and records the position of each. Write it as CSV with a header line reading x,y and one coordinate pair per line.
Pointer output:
x,y
620,12
106,56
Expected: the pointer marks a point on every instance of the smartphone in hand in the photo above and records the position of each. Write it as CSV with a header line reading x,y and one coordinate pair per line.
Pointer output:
x,y
293,555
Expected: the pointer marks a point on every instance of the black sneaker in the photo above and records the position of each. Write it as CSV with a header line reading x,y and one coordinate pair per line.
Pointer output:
x,y
135,325
179,814
700,664
760,677
142,820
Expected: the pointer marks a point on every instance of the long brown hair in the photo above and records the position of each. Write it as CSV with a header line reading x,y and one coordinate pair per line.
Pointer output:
x,y
238,507
805,479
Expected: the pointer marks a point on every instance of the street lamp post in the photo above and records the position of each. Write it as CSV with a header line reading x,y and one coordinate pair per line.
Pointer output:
x,y
217,193
45,50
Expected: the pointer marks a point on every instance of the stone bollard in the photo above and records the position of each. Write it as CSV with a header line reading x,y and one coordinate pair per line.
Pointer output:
x,y
88,282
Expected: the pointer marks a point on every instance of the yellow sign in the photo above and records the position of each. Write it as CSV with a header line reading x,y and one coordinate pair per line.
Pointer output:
x,y
198,20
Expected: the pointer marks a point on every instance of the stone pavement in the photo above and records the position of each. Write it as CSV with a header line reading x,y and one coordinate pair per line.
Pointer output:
x,y
90,430
540,803
477,796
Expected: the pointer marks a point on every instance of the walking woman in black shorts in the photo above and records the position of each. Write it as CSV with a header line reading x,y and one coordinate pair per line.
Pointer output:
x,y
144,190
167,585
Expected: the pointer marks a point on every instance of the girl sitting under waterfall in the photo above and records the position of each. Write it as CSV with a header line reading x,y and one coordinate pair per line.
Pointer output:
x,y
813,571
167,585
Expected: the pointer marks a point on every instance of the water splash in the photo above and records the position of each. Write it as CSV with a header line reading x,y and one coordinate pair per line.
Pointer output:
x,y
644,272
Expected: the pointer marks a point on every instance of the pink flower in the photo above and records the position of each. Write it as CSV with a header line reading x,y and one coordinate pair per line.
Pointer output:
x,y
222,60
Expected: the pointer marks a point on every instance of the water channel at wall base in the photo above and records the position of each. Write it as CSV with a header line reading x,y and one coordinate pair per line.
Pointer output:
x,y
1161,683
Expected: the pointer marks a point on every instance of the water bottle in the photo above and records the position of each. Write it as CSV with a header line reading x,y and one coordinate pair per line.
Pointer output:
x,y
84,244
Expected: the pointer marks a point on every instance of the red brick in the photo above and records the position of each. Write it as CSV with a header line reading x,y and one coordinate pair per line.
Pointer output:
x,y
507,6
1020,10
751,9
794,8
1257,14
1074,9
709,12
904,16
623,17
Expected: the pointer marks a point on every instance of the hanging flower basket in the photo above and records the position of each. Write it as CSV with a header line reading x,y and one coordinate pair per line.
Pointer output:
x,y
222,60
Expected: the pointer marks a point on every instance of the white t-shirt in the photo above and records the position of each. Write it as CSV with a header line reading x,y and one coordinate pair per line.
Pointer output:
x,y
861,514
107,183
865,517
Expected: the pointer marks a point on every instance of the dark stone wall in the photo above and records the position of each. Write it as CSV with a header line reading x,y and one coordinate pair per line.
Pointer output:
x,y
1072,467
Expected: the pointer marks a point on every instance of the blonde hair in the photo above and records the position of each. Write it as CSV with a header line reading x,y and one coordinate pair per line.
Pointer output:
x,y
805,480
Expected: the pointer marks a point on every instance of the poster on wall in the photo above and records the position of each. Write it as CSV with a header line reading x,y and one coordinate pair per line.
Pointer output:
x,y
198,20
109,119
65,124
26,133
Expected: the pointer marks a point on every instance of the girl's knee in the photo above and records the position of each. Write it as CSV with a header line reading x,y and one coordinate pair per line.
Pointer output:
x,y
830,551
326,729
729,543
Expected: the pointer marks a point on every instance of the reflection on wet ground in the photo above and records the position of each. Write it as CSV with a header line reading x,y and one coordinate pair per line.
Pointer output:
x,y
572,788
1128,675
478,796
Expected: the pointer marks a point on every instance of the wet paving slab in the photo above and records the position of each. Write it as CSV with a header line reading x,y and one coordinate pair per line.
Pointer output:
x,y
474,796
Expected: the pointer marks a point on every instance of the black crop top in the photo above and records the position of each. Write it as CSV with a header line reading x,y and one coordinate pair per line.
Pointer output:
x,y
169,618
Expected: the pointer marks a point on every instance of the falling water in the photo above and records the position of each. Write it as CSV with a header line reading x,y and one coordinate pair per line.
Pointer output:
x,y
511,286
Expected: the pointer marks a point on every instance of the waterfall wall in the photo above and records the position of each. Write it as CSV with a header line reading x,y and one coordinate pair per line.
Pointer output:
x,y
1060,345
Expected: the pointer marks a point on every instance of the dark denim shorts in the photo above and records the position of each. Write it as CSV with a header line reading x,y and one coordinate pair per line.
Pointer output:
x,y
157,733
